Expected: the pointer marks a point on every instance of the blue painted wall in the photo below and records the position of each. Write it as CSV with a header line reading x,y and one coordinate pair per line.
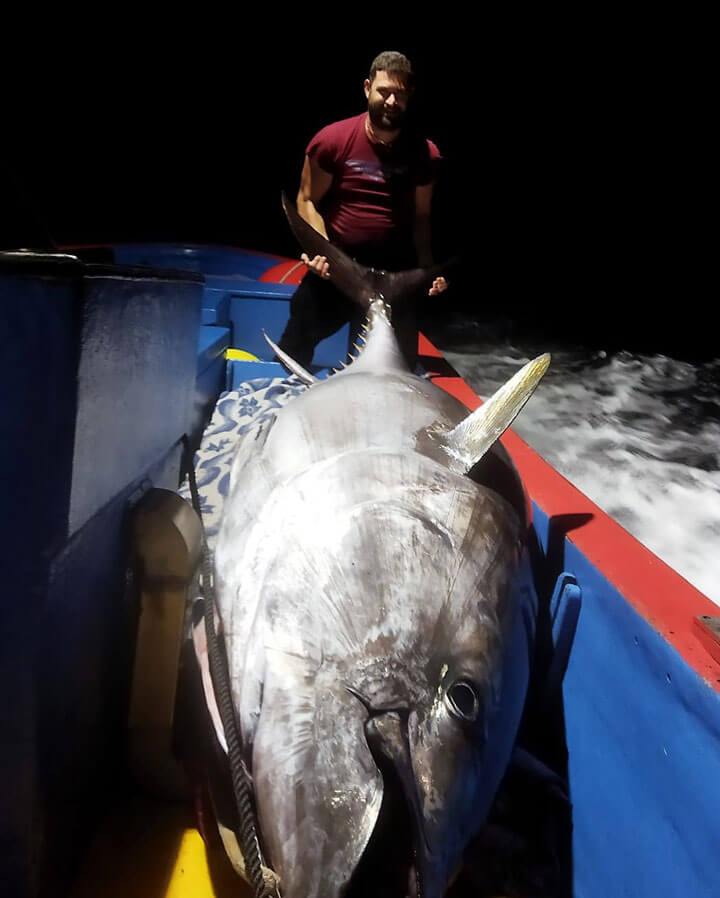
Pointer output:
x,y
254,308
39,308
235,297
99,371
253,312
211,374
135,393
643,741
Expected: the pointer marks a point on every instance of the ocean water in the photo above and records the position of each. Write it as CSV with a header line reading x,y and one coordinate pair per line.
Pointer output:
x,y
638,434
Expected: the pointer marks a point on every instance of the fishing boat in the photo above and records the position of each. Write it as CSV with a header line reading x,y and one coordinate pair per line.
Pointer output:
x,y
115,359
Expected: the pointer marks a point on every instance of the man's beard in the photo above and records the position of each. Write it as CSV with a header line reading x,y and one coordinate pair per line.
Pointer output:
x,y
381,118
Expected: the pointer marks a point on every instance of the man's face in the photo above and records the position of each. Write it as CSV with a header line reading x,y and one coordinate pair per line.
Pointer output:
x,y
388,97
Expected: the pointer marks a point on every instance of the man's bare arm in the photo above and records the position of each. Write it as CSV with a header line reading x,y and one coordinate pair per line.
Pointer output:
x,y
314,184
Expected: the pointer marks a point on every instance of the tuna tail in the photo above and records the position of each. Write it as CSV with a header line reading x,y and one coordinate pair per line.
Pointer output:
x,y
358,283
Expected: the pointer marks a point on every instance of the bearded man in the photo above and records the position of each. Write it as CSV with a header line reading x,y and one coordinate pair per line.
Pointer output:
x,y
367,186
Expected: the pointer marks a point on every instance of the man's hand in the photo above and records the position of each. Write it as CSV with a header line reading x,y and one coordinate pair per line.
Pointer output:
x,y
319,265
439,285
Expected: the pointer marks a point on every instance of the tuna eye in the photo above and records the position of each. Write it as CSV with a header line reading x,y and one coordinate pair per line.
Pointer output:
x,y
463,700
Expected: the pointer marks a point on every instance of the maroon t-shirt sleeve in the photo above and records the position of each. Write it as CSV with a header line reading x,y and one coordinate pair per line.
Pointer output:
x,y
324,148
429,167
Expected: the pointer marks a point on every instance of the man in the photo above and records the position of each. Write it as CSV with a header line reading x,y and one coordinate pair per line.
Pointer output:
x,y
366,186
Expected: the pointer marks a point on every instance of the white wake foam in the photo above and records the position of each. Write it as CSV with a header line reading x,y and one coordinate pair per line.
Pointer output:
x,y
639,435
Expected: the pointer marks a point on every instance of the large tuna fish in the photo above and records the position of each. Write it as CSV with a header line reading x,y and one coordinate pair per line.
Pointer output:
x,y
378,611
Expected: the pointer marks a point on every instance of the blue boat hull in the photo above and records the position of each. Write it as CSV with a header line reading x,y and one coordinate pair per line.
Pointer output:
x,y
106,367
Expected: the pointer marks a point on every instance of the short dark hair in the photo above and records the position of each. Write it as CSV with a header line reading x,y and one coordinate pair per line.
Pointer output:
x,y
393,63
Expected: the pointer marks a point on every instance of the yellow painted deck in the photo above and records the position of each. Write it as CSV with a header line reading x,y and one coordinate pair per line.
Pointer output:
x,y
151,849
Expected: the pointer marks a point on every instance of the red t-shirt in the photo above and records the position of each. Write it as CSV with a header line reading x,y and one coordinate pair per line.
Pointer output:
x,y
369,208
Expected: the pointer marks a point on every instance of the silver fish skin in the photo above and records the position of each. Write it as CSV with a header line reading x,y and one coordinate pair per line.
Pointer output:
x,y
378,609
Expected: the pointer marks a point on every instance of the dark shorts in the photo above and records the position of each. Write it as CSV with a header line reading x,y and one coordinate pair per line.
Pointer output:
x,y
318,309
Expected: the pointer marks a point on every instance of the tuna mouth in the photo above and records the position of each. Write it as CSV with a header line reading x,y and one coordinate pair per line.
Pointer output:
x,y
387,868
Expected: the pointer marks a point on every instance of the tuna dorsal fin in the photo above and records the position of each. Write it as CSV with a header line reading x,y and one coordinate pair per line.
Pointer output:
x,y
471,438
290,363
357,282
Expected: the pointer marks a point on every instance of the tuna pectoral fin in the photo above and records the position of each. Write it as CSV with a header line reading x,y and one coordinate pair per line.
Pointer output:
x,y
317,787
294,367
470,440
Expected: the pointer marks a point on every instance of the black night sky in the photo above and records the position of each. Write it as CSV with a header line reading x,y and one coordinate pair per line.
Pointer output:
x,y
567,178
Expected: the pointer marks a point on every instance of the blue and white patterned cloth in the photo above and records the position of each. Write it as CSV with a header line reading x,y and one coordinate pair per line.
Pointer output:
x,y
237,412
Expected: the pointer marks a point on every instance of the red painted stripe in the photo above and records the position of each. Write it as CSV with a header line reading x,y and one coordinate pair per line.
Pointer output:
x,y
708,637
285,270
656,591
425,347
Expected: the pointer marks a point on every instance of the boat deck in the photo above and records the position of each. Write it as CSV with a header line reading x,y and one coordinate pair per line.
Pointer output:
x,y
149,848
